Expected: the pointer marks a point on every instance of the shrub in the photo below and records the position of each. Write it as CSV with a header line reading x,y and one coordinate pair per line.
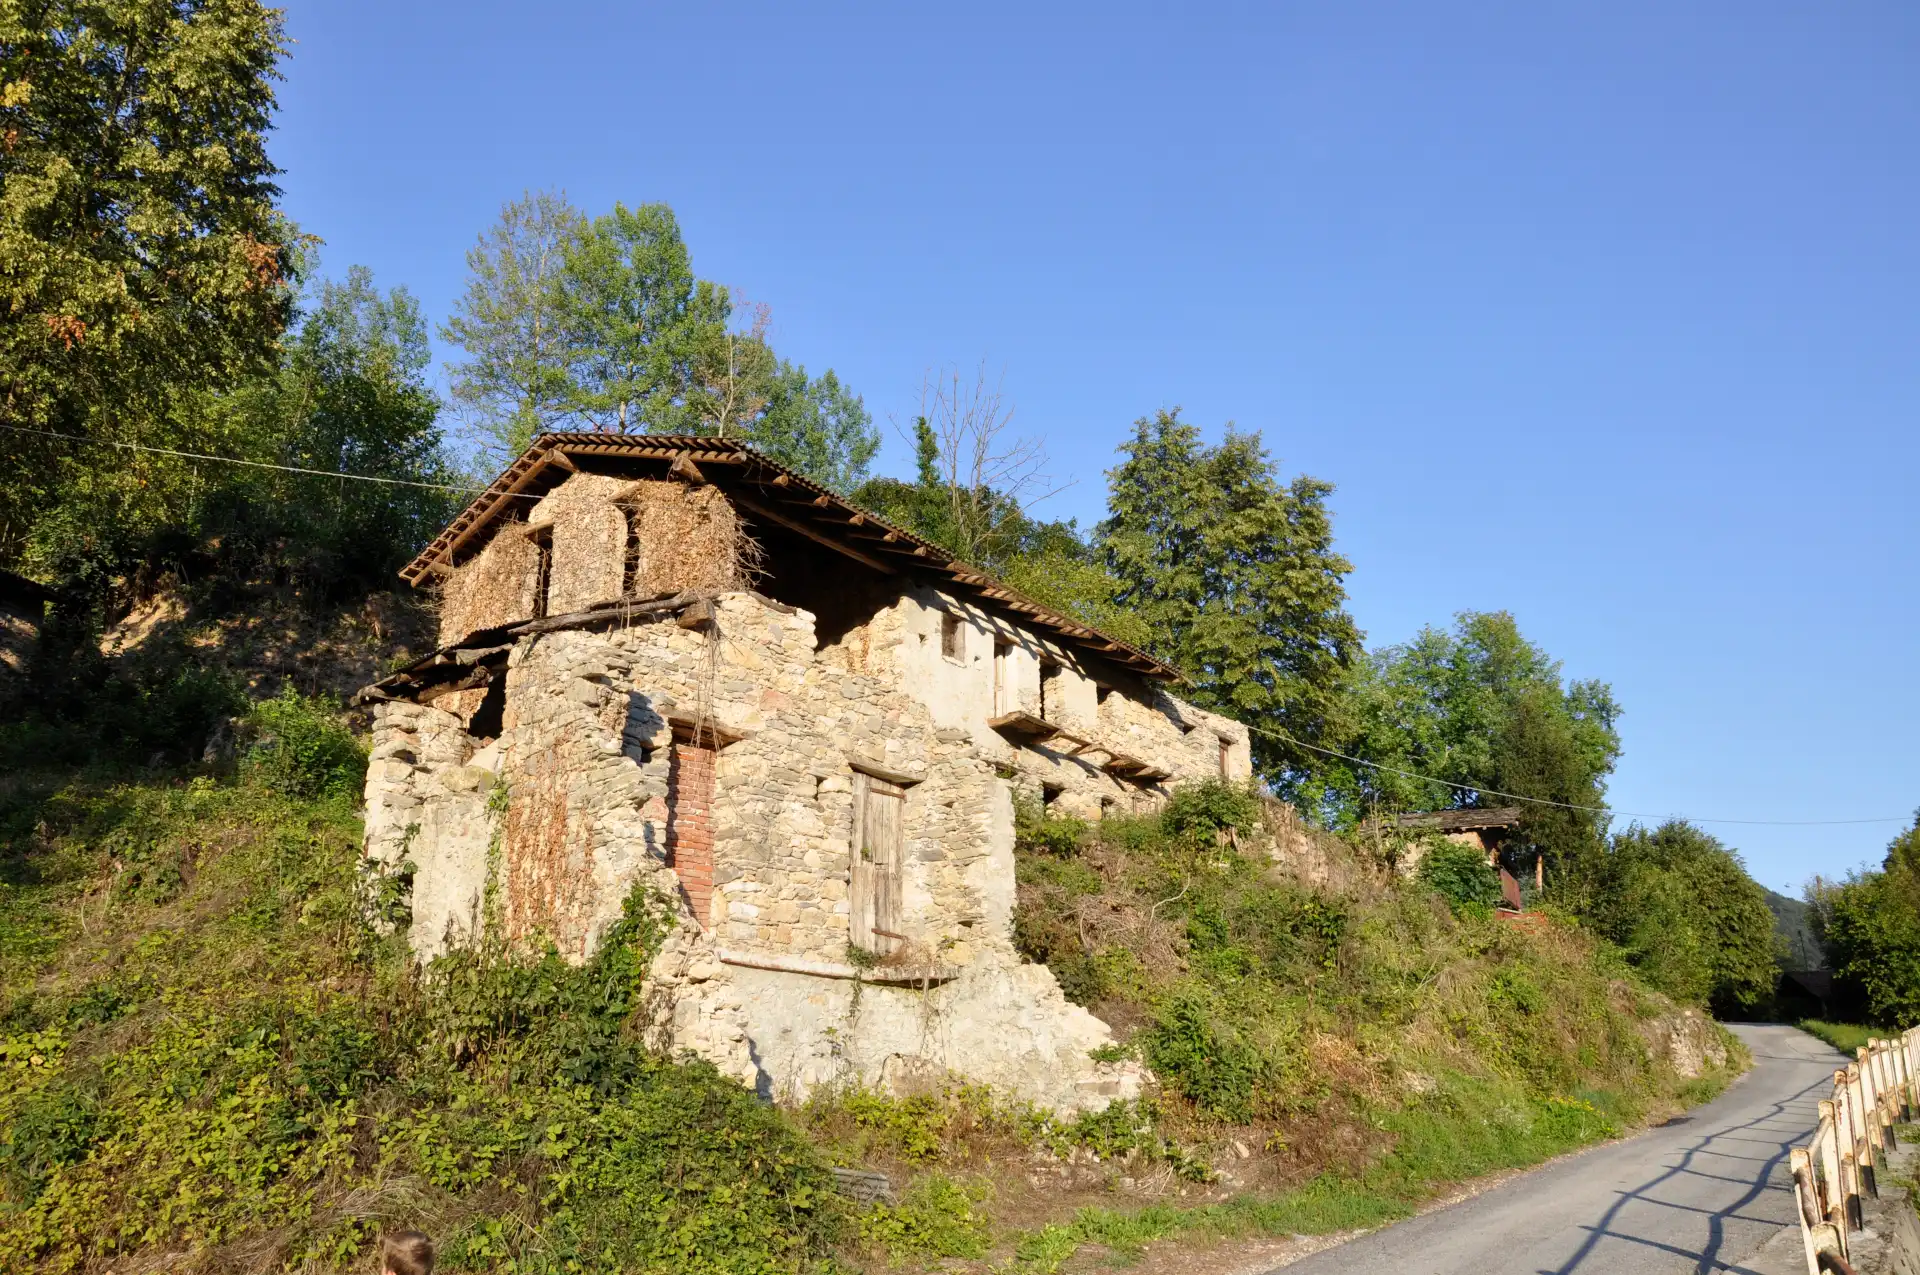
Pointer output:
x,y
1204,1057
1039,830
937,1217
1211,806
303,749
1461,874
272,1066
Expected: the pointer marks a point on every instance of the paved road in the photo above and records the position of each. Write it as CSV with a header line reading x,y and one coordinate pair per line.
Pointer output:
x,y
1703,1193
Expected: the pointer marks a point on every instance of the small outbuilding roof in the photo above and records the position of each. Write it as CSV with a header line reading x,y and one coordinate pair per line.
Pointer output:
x,y
1474,819
767,491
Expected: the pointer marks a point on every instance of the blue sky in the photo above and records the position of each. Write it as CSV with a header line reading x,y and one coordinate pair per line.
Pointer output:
x,y
1604,315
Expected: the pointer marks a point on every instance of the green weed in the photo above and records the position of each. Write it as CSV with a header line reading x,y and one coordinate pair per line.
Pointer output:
x,y
936,1218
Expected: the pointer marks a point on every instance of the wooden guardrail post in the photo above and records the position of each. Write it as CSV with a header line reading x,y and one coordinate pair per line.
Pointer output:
x,y
1816,1233
1858,1112
1827,1146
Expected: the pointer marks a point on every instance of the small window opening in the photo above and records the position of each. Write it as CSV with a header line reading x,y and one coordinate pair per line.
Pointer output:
x,y
953,637
1226,756
490,718
1050,793
1002,678
630,565
1107,807
542,570
1100,694
1049,690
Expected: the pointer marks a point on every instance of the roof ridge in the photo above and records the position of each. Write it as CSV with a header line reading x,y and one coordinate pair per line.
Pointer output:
x,y
718,449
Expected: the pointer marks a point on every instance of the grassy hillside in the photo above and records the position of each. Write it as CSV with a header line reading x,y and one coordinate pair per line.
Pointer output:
x,y
210,1059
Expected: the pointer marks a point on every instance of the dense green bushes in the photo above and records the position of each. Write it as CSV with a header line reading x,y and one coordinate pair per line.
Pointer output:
x,y
1259,999
301,748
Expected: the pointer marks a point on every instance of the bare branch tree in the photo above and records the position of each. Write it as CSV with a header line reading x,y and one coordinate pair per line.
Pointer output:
x,y
733,375
990,474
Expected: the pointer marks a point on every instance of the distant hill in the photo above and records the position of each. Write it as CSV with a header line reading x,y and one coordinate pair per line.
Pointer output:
x,y
1800,950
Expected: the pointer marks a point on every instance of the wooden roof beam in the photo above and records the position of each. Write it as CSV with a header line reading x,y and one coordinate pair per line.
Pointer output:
x,y
759,510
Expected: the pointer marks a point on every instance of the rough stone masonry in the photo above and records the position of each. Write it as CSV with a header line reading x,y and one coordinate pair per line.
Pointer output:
x,y
671,664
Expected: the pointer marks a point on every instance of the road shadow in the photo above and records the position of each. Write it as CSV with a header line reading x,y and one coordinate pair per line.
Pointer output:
x,y
1707,1258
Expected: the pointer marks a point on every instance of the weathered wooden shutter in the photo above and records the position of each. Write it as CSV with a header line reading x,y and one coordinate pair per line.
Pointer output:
x,y
877,853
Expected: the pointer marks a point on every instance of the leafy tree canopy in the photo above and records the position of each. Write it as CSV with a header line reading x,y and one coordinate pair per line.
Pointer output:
x,y
348,394
1481,711
144,253
1234,576
577,322
1869,926
1688,916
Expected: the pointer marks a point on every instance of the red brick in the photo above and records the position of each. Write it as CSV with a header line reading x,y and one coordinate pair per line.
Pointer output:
x,y
689,826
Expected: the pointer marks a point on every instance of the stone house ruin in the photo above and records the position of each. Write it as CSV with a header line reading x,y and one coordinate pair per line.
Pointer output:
x,y
672,663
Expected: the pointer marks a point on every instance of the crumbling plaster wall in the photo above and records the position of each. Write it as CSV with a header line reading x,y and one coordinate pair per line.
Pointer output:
x,y
427,790
903,642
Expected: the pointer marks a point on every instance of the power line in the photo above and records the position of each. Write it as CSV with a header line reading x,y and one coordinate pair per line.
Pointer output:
x,y
1565,805
251,464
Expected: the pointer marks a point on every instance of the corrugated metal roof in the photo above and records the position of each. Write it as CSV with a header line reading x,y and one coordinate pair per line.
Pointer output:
x,y
780,495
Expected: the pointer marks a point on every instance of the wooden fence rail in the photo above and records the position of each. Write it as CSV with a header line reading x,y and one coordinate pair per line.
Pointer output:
x,y
1833,1172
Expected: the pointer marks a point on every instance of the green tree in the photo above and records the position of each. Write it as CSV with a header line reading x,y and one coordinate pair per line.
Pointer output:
x,y
349,395
571,322
512,322
1869,926
1481,712
819,427
1688,916
637,322
1234,574
144,253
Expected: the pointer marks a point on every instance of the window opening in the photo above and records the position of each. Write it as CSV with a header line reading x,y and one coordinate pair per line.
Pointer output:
x,y
630,565
1050,793
1100,694
490,718
1226,755
1050,691
1002,678
542,570
953,637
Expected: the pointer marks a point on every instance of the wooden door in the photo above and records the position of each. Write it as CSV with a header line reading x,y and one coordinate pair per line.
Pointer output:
x,y
878,828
